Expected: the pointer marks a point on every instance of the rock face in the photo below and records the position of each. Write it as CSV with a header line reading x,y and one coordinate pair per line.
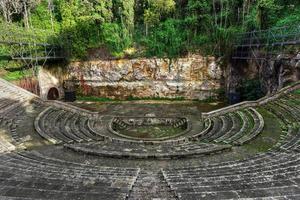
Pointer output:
x,y
274,74
194,77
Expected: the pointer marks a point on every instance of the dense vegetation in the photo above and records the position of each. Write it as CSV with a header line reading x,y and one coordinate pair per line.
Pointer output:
x,y
149,27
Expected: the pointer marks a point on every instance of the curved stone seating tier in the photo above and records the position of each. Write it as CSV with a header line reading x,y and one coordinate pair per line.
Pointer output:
x,y
289,117
287,110
282,115
142,151
290,106
119,124
102,128
60,126
227,124
217,126
273,175
5,145
12,96
291,140
208,125
28,176
268,175
10,121
254,130
233,128
237,124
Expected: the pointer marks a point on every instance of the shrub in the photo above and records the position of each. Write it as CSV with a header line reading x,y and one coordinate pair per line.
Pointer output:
x,y
251,90
166,40
116,38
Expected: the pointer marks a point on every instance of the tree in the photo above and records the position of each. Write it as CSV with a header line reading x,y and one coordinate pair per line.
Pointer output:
x,y
17,7
264,9
43,17
9,8
103,11
157,10
166,40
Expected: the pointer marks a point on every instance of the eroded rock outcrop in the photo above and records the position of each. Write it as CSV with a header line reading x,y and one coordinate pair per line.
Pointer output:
x,y
194,77
274,74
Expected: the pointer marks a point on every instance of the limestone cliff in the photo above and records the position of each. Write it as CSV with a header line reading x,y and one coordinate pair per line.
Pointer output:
x,y
195,77
273,73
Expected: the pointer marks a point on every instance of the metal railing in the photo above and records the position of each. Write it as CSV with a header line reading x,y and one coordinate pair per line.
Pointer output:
x,y
266,44
31,46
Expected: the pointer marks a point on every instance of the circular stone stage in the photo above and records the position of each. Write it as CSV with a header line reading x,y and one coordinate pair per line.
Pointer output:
x,y
149,128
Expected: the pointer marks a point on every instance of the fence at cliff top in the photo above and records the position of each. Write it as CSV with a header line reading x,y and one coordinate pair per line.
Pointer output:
x,y
31,46
266,44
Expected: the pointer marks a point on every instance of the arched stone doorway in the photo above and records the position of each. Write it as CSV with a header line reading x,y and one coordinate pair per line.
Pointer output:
x,y
53,94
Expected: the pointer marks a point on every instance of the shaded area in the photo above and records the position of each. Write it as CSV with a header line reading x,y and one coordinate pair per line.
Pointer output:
x,y
149,127
53,94
157,131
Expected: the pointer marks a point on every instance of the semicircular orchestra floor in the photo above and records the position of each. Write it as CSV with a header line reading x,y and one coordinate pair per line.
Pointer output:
x,y
149,150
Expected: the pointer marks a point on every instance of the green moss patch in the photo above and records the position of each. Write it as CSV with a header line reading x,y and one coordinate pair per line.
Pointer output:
x,y
270,135
151,132
296,92
103,99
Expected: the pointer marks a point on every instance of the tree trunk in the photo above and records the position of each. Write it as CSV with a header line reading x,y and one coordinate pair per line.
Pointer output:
x,y
50,8
26,16
215,13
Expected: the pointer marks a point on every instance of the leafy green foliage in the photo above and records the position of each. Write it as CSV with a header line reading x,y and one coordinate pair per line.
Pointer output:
x,y
296,92
43,19
115,37
17,75
158,9
251,90
166,40
162,28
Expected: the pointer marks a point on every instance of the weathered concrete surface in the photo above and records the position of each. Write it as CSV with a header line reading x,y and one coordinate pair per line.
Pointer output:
x,y
194,77
49,79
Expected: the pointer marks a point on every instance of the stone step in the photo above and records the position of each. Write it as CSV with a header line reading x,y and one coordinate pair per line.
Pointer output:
x,y
256,129
143,151
151,185
227,125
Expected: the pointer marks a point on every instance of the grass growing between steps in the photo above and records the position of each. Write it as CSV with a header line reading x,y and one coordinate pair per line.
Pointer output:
x,y
270,135
296,92
94,99
103,99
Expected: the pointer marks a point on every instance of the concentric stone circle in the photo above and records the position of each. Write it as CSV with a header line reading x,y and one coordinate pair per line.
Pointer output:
x,y
118,125
70,154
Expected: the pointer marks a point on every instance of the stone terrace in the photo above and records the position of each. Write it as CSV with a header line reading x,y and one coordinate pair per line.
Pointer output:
x,y
53,150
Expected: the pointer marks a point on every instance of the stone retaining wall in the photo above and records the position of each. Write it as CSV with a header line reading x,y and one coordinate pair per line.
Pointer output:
x,y
195,77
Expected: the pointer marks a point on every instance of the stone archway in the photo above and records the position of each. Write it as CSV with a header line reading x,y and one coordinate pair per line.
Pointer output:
x,y
53,94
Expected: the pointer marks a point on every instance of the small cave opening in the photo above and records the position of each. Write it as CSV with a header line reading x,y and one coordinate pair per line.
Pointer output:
x,y
53,94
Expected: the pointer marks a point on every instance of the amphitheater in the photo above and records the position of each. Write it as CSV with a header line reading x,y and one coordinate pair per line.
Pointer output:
x,y
54,150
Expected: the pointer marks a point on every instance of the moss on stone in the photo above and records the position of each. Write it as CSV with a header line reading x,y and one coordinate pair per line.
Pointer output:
x,y
130,98
296,92
270,135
